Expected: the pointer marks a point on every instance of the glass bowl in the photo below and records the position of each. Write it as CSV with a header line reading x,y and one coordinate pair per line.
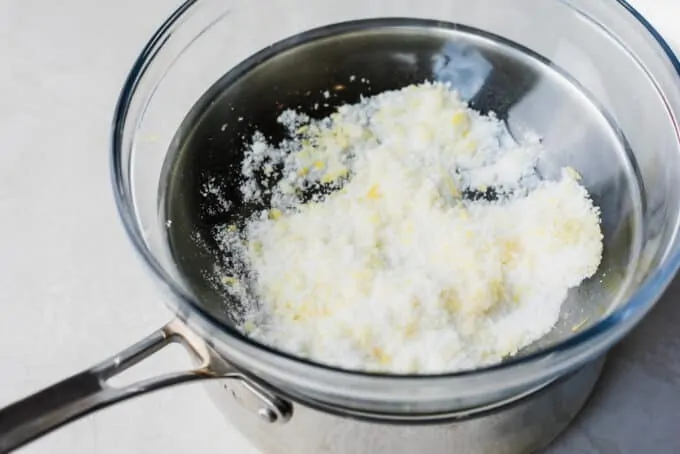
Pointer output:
x,y
593,78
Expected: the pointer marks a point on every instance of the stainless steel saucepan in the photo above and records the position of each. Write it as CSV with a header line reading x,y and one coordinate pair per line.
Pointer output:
x,y
590,76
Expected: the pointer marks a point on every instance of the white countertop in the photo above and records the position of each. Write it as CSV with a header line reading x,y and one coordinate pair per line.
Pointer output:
x,y
73,292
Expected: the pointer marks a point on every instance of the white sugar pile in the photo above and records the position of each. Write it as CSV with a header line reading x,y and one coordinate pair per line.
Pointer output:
x,y
398,267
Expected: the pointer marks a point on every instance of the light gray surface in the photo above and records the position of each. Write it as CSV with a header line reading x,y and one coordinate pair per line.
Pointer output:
x,y
73,292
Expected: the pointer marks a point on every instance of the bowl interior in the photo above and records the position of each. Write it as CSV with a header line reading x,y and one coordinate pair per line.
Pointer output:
x,y
362,58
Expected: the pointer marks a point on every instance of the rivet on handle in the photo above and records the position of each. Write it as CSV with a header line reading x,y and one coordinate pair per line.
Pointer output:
x,y
257,400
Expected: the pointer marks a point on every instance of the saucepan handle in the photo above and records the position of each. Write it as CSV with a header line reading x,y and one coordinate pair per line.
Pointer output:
x,y
88,391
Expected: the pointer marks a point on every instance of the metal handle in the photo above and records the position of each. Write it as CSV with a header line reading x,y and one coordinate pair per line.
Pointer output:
x,y
88,391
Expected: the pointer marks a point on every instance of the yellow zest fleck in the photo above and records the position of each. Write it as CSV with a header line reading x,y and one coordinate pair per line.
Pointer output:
x,y
232,228
255,247
380,355
452,187
333,176
248,327
364,337
461,121
517,294
510,249
229,280
458,118
319,165
275,214
303,171
374,192
450,301
579,325
410,330
471,146
573,173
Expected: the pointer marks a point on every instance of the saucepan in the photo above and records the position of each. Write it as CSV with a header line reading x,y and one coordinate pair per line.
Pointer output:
x,y
591,77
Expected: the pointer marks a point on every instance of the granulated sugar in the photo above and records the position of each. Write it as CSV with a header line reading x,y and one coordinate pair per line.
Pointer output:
x,y
399,264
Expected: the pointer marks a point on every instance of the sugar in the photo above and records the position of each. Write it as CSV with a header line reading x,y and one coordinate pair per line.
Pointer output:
x,y
394,270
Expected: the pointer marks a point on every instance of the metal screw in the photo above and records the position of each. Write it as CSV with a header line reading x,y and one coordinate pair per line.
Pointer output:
x,y
267,415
